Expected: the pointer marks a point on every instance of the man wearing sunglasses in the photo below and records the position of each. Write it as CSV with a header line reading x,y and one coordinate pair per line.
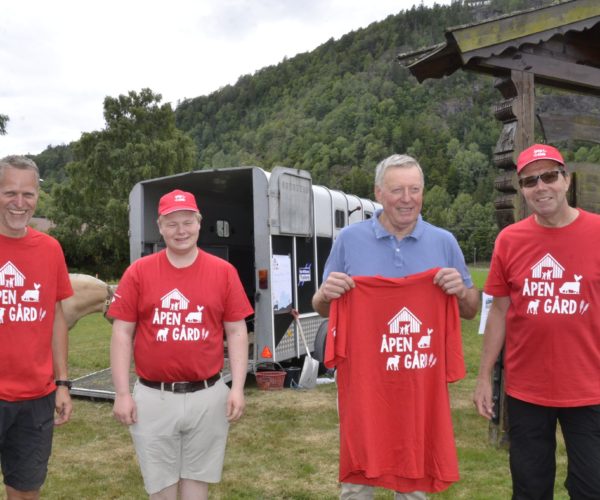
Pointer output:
x,y
545,280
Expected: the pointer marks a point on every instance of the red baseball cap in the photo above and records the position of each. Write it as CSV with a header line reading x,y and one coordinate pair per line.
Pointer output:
x,y
177,200
538,152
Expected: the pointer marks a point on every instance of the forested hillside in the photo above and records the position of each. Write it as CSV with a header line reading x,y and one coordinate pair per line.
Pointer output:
x,y
335,111
340,109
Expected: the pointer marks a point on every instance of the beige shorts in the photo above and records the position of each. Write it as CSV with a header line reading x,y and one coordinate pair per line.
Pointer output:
x,y
180,436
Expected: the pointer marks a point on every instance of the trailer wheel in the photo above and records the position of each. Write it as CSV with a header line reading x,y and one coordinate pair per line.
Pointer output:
x,y
320,339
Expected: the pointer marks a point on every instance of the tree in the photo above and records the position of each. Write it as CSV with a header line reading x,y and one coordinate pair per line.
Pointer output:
x,y
480,244
51,163
473,225
435,206
471,165
3,122
140,142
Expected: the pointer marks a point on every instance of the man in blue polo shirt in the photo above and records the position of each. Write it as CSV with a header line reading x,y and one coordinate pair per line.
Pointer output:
x,y
396,242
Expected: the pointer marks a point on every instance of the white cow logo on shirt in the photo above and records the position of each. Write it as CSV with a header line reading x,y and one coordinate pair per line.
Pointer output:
x,y
425,340
195,316
32,295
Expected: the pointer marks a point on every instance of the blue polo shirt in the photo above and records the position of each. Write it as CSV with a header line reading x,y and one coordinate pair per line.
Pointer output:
x,y
367,249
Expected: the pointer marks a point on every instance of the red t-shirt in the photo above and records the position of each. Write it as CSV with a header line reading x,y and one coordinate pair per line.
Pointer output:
x,y
396,343
179,314
552,276
33,278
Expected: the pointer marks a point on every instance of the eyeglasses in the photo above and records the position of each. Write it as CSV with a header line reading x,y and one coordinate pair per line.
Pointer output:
x,y
547,178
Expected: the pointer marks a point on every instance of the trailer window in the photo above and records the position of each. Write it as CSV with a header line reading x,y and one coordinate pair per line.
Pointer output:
x,y
340,219
223,228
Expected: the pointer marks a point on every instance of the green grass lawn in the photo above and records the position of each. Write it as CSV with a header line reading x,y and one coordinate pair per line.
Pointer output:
x,y
285,446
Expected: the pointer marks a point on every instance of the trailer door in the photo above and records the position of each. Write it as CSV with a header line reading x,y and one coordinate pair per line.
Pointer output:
x,y
290,202
291,229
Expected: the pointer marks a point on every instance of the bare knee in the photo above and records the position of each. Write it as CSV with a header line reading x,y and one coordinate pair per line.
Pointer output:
x,y
168,493
193,490
12,494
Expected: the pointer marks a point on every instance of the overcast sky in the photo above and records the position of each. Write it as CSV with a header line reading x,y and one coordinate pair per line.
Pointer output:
x,y
60,59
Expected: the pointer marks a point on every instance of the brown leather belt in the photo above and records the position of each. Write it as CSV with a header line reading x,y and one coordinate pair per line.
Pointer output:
x,y
182,387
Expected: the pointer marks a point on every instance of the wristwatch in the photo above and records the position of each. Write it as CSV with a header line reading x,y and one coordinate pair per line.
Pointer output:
x,y
66,383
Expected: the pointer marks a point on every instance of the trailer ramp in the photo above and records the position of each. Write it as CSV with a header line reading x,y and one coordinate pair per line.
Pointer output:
x,y
98,385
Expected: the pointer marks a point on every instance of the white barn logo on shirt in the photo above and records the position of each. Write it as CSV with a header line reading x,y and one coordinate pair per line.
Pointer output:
x,y
547,268
404,322
174,301
10,276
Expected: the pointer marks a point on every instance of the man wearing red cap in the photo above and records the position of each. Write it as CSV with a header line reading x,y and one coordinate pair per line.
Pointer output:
x,y
545,280
171,309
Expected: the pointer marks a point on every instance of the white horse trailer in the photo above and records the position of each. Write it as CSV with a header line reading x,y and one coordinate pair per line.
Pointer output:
x,y
275,227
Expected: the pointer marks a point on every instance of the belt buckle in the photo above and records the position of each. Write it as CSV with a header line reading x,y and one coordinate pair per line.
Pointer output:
x,y
178,387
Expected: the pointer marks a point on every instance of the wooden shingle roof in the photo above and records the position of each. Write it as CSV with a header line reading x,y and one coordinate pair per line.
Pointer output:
x,y
559,44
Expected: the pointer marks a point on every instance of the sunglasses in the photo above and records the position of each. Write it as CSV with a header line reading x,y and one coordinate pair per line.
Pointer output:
x,y
547,178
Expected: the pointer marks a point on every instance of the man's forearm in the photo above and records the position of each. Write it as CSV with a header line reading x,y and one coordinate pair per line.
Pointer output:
x,y
237,348
121,349
320,303
60,344
468,306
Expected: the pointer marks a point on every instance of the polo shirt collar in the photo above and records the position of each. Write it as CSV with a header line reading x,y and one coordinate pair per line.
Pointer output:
x,y
381,232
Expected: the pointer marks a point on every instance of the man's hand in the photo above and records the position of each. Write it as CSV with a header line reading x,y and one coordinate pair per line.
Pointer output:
x,y
63,405
125,409
482,397
336,285
450,280
235,404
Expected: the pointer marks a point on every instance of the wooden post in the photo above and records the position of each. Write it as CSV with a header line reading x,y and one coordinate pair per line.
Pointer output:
x,y
517,113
